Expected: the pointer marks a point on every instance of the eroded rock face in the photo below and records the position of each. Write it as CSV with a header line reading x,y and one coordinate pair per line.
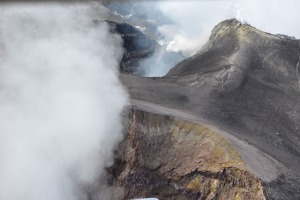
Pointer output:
x,y
168,158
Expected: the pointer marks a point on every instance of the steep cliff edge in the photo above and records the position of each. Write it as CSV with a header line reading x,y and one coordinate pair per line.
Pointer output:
x,y
170,158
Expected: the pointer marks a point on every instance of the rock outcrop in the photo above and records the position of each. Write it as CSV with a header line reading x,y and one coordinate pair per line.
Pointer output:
x,y
169,158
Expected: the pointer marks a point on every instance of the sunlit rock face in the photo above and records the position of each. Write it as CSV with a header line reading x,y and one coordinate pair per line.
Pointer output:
x,y
168,158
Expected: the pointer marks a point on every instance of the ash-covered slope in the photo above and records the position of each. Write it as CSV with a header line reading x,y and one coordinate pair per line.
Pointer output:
x,y
246,82
252,82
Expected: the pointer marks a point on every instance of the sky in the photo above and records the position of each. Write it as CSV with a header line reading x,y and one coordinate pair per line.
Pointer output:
x,y
194,20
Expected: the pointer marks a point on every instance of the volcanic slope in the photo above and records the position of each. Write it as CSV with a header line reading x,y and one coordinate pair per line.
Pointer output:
x,y
245,82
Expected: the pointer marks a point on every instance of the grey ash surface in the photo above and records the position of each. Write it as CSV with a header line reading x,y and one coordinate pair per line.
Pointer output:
x,y
245,82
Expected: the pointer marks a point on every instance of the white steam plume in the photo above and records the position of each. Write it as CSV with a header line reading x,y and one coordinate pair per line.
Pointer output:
x,y
193,20
192,23
60,101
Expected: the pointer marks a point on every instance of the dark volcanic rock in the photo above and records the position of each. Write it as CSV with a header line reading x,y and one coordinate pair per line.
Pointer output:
x,y
137,46
246,82
138,15
253,84
142,54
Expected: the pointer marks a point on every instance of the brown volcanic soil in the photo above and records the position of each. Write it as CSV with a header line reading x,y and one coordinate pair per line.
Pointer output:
x,y
245,82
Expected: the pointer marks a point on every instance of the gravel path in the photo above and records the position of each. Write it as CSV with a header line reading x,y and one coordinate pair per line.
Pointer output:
x,y
259,163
